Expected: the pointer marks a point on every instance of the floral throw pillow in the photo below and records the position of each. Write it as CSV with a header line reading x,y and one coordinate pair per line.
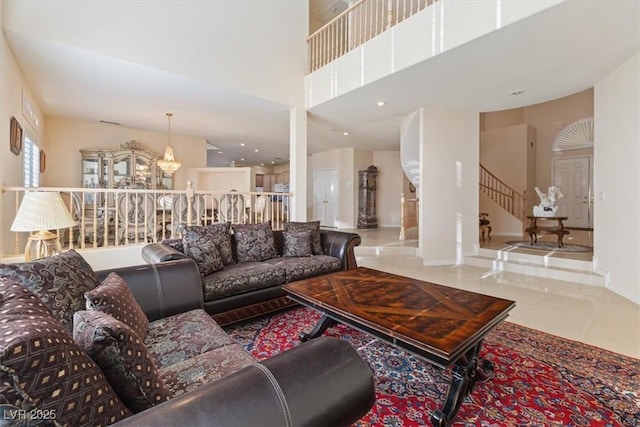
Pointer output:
x,y
216,233
254,242
60,281
297,244
123,358
114,298
44,369
206,256
311,226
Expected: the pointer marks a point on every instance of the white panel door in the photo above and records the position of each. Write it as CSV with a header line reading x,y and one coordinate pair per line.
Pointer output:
x,y
325,196
574,177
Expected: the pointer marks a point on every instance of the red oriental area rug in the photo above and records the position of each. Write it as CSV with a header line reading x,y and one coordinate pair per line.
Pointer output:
x,y
540,379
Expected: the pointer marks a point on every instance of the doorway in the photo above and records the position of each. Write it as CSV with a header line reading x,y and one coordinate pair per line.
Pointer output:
x,y
325,196
574,177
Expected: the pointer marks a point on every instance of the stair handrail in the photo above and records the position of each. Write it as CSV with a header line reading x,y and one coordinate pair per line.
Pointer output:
x,y
509,199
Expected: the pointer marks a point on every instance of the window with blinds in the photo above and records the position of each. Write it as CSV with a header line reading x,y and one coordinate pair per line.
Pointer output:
x,y
31,153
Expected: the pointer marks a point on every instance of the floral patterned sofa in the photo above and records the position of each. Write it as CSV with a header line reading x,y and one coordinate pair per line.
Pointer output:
x,y
244,265
133,346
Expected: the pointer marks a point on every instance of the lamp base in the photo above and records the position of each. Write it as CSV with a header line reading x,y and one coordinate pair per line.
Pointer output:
x,y
41,245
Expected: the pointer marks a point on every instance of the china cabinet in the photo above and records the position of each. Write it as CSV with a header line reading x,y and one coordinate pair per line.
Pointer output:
x,y
128,166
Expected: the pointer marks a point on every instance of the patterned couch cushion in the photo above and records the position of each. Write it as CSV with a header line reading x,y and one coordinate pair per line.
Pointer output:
x,y
206,256
254,242
305,267
114,297
177,338
239,278
123,358
60,281
311,226
297,243
217,233
42,367
204,368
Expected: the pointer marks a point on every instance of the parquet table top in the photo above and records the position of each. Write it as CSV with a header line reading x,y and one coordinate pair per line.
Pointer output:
x,y
435,321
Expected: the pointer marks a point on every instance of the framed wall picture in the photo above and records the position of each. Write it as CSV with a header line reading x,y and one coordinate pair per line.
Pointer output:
x,y
15,137
43,161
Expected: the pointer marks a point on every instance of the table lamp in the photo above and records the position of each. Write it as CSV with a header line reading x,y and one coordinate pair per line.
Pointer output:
x,y
42,211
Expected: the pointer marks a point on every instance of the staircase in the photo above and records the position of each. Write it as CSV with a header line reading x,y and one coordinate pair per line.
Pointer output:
x,y
504,196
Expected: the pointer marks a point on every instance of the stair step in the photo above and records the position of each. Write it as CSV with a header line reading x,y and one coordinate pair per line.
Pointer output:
x,y
385,250
541,266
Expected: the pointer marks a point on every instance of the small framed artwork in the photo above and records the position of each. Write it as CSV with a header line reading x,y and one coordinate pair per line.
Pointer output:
x,y
43,161
15,137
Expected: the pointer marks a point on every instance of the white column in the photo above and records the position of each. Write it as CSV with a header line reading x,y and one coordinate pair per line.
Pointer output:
x,y
449,159
298,163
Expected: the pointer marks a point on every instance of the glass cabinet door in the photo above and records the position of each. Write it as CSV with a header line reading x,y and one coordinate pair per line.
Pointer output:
x,y
90,176
121,169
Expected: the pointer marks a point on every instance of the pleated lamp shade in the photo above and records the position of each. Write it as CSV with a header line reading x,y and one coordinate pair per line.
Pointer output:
x,y
42,211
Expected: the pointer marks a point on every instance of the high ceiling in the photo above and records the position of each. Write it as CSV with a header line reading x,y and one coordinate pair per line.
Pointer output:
x,y
229,70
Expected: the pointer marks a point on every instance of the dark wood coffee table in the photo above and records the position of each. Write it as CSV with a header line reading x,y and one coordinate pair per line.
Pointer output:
x,y
444,325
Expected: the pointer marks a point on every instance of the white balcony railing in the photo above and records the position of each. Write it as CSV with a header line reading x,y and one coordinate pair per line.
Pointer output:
x,y
361,22
121,217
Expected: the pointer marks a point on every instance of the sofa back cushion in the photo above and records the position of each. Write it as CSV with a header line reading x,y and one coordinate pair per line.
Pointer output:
x,y
42,368
60,281
206,255
254,242
297,244
123,358
114,298
313,227
216,233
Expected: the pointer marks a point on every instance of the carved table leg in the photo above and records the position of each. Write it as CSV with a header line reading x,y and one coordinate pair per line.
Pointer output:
x,y
467,371
322,325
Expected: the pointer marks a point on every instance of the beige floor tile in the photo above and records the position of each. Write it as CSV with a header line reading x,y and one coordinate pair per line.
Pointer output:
x,y
590,314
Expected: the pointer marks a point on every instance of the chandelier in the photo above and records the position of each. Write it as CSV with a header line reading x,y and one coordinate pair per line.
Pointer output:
x,y
169,164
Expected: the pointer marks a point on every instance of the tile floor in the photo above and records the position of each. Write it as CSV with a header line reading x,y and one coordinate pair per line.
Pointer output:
x,y
590,314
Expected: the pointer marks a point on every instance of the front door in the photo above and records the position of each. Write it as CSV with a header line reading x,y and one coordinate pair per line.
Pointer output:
x,y
574,177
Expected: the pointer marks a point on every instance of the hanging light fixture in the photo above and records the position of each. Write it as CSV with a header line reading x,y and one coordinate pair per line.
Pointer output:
x,y
168,164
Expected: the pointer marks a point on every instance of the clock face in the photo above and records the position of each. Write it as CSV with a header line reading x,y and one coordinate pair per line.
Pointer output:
x,y
412,187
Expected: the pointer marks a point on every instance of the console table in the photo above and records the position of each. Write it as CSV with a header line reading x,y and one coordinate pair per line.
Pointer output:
x,y
558,230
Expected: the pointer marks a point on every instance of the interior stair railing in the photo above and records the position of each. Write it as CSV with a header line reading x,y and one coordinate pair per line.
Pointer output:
x,y
364,20
506,197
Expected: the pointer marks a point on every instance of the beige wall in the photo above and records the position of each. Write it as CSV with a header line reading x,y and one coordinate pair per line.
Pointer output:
x,y
221,179
66,137
617,179
509,153
548,119
12,84
348,162
391,182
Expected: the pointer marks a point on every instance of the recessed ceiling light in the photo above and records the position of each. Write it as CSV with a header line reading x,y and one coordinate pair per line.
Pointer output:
x,y
220,152
345,133
256,150
381,103
242,159
242,144
272,162
261,164
517,92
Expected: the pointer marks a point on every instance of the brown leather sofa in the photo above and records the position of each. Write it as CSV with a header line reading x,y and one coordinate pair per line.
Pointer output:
x,y
323,382
338,248
72,363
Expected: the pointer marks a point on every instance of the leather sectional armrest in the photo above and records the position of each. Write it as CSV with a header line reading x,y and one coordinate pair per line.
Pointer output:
x,y
153,253
323,382
163,289
340,245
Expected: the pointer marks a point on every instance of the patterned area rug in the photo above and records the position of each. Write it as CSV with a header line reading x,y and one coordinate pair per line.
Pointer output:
x,y
540,379
549,246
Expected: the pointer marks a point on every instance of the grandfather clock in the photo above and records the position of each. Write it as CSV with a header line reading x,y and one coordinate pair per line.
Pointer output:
x,y
367,198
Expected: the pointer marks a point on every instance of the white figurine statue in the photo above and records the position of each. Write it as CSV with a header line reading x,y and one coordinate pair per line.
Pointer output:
x,y
547,206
